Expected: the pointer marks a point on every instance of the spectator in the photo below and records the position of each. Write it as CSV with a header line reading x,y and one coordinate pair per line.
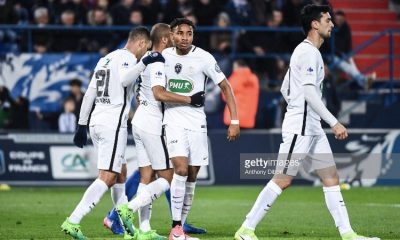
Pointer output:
x,y
261,9
76,6
205,11
19,110
42,39
291,17
151,10
100,41
8,38
246,88
136,17
177,9
76,94
220,42
121,12
240,12
262,43
343,47
67,119
67,41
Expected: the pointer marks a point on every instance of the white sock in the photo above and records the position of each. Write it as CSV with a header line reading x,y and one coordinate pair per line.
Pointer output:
x,y
144,213
90,198
118,194
337,208
263,203
177,196
188,200
148,194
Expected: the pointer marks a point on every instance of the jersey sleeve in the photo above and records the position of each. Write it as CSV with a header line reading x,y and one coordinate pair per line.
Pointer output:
x,y
212,70
308,68
157,74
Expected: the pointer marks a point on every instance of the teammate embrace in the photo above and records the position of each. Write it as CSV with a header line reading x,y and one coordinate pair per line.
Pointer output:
x,y
171,138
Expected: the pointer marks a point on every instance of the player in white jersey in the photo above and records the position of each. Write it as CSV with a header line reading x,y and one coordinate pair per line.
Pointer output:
x,y
187,68
110,89
147,132
301,130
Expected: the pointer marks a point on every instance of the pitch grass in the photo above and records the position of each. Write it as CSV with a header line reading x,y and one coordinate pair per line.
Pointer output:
x,y
300,213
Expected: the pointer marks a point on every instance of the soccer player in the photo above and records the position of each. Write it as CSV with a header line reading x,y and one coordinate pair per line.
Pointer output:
x,y
147,132
187,68
301,130
110,89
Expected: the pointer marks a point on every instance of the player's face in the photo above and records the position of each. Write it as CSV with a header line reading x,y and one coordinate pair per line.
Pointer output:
x,y
183,36
325,25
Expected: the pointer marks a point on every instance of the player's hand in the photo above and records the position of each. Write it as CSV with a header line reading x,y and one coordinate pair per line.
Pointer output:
x,y
197,99
340,131
80,138
152,58
233,132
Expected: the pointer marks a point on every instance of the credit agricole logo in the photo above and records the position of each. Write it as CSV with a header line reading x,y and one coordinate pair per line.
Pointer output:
x,y
180,86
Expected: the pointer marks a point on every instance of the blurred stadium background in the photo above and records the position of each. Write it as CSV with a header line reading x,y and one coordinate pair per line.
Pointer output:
x,y
49,48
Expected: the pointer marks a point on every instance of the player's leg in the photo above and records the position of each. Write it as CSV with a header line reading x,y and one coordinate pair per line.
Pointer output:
x,y
324,164
107,177
293,147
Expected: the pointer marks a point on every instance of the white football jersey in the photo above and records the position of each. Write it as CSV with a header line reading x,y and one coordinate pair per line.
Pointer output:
x,y
306,67
148,116
187,75
112,102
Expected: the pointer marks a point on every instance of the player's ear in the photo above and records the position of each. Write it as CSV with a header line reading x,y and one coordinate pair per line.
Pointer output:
x,y
315,24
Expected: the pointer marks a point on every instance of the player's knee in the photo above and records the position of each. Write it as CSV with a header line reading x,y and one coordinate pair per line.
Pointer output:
x,y
182,171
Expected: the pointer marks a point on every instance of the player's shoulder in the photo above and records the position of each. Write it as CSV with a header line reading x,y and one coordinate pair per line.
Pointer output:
x,y
197,51
168,51
305,50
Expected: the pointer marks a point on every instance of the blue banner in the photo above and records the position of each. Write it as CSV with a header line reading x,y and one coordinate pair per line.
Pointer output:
x,y
44,78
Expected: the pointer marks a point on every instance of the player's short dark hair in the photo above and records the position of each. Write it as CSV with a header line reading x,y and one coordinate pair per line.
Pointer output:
x,y
179,21
312,12
139,32
159,31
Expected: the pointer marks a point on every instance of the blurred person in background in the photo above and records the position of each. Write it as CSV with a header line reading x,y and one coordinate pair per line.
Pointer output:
x,y
121,12
67,119
100,41
136,17
246,89
240,12
343,47
177,9
151,10
76,94
65,40
42,39
18,109
220,43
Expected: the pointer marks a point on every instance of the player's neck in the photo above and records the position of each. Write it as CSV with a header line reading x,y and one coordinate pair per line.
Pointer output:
x,y
183,51
315,39
158,48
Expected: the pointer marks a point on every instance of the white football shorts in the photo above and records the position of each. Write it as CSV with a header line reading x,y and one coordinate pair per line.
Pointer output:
x,y
151,150
183,142
110,146
309,152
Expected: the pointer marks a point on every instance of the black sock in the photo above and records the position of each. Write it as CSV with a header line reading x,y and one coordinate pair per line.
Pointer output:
x,y
176,223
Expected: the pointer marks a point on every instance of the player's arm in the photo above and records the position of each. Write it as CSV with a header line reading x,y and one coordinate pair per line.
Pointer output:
x,y
309,68
233,130
130,74
285,86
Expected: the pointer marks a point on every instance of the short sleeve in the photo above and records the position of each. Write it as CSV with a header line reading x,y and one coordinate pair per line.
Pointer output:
x,y
308,68
212,70
157,74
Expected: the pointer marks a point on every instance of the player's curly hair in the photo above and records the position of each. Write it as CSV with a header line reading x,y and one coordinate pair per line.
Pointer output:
x,y
312,12
179,21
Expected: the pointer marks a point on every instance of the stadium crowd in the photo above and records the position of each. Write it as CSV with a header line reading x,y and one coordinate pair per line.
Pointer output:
x,y
222,13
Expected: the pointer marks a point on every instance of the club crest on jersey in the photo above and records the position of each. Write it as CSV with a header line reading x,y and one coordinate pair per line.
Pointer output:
x,y
178,68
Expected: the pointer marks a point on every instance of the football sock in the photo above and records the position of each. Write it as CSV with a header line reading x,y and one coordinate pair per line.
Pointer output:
x,y
263,203
148,194
178,194
187,202
144,213
337,208
118,194
90,198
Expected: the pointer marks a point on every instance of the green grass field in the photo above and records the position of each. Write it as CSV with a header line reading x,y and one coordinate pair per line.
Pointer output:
x,y
300,213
